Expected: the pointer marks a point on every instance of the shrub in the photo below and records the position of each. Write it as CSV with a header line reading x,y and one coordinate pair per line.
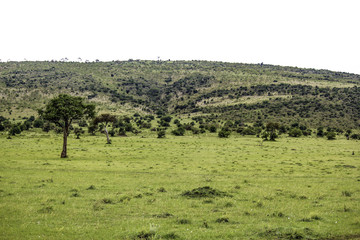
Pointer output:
x,y
222,220
122,131
212,128
15,129
224,133
46,127
179,131
112,132
320,132
248,131
195,130
146,125
306,132
166,119
355,136
204,192
295,132
161,134
145,235
38,123
184,221
92,129
78,132
331,135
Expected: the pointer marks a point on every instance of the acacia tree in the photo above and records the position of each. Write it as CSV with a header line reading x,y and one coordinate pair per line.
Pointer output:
x,y
105,118
62,110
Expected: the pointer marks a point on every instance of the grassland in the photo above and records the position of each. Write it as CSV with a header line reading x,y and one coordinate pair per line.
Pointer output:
x,y
294,188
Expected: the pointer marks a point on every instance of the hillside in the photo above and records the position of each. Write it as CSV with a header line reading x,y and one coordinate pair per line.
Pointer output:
x,y
244,92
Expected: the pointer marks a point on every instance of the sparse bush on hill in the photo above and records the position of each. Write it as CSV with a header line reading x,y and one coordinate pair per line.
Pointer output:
x,y
252,92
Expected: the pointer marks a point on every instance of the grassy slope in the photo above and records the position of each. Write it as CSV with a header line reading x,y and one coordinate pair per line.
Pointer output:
x,y
184,87
303,187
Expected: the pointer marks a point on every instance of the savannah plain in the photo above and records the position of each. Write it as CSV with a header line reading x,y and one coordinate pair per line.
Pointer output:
x,y
195,186
189,187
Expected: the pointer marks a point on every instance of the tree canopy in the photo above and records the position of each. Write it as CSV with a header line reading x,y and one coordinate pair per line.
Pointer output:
x,y
105,118
62,110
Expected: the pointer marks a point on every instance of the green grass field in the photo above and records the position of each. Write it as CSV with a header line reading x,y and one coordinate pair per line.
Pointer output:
x,y
294,188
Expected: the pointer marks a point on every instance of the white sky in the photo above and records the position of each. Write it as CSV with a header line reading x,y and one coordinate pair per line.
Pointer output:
x,y
322,34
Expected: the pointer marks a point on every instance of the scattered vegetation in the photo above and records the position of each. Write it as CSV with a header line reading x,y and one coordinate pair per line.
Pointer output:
x,y
259,133
204,192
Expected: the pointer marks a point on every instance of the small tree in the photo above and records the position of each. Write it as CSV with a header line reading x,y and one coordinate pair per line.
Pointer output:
x,y
62,110
271,130
105,118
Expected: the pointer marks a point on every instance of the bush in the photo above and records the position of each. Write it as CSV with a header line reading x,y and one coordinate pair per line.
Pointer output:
x,y
122,131
38,123
248,131
295,132
26,125
212,128
166,119
46,127
92,129
129,127
164,124
179,131
320,132
78,132
204,192
224,133
355,136
161,134
112,132
195,130
146,125
15,129
331,135
307,132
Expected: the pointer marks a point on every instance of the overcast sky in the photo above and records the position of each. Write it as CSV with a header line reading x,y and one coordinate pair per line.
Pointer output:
x,y
322,34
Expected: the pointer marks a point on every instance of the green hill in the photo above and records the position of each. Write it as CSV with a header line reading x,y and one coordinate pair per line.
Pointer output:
x,y
219,90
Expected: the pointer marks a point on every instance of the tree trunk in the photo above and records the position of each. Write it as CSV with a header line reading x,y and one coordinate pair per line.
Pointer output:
x,y
107,136
64,151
